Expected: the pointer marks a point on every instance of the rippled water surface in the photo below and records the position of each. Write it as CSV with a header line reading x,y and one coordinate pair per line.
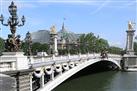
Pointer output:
x,y
103,81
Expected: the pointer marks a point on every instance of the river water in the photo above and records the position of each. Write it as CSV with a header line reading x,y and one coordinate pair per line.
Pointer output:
x,y
101,81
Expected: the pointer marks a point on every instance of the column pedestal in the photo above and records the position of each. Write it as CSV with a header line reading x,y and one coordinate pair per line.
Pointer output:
x,y
17,60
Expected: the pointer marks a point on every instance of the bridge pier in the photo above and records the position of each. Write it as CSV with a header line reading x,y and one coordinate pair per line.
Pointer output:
x,y
60,73
42,80
129,63
52,75
23,79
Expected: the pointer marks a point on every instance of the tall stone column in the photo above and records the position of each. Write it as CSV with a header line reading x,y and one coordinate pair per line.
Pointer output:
x,y
129,60
55,45
53,35
130,39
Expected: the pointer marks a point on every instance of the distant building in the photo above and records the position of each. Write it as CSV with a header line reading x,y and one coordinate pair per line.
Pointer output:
x,y
65,37
41,36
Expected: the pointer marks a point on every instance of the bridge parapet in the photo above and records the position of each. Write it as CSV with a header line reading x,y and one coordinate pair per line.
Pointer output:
x,y
9,62
114,55
68,68
68,58
13,61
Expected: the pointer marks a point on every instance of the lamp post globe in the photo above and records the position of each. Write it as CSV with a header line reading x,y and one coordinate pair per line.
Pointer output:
x,y
23,18
13,9
1,18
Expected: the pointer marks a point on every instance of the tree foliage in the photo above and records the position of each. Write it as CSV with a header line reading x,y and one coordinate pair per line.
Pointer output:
x,y
38,47
135,47
90,43
115,50
35,47
85,43
2,44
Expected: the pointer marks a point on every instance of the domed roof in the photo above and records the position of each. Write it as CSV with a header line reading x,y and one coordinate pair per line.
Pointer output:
x,y
42,36
67,35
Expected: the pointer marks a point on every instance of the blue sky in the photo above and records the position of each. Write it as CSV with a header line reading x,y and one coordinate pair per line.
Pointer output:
x,y
106,18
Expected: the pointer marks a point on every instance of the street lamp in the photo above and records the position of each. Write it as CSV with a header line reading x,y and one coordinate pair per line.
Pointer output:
x,y
1,18
12,22
78,44
13,9
28,40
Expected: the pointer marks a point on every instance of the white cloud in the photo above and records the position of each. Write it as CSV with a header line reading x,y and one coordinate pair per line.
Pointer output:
x,y
18,3
88,2
102,3
70,2
56,1
100,7
115,4
67,1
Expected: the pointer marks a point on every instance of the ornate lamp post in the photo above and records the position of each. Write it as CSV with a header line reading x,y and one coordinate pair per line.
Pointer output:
x,y
13,22
28,40
78,44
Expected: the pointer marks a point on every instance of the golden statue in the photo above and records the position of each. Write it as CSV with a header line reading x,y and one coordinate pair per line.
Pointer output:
x,y
131,25
53,29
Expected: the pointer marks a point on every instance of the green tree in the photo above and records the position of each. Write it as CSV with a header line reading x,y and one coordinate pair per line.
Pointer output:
x,y
115,50
24,47
135,47
35,47
38,47
44,47
90,43
101,44
2,48
86,42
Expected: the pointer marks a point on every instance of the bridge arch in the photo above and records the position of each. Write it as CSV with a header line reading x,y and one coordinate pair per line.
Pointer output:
x,y
61,78
116,62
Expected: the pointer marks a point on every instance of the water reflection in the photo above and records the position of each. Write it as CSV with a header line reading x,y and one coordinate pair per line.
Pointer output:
x,y
103,81
124,81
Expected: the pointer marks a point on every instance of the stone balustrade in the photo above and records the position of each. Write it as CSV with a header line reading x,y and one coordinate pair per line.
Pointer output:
x,y
16,61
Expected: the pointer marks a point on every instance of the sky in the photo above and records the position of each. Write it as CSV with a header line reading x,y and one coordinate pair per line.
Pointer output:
x,y
106,18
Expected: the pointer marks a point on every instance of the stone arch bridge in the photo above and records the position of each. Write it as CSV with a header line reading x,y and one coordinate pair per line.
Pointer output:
x,y
44,73
53,71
